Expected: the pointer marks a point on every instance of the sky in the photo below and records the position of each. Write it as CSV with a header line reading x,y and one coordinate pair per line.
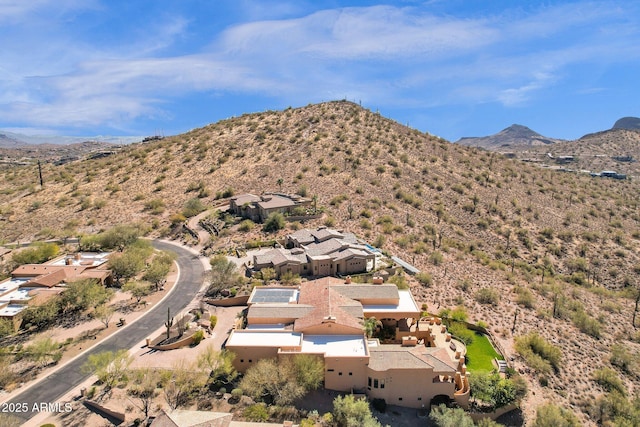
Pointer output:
x,y
451,68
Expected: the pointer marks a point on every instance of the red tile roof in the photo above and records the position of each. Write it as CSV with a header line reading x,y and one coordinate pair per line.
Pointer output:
x,y
328,303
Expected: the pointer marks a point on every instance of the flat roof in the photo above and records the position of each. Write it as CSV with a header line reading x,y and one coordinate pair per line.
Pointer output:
x,y
12,284
90,259
335,345
246,338
406,304
11,310
20,294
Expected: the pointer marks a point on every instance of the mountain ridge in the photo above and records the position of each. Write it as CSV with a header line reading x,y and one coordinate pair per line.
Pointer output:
x,y
513,136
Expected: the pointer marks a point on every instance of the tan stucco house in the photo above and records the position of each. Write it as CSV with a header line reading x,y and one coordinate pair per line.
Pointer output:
x,y
258,208
325,317
319,252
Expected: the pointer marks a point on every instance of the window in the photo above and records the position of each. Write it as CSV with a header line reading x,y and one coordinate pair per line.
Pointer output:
x,y
340,373
250,360
369,381
241,360
400,399
419,398
375,383
330,370
381,383
350,374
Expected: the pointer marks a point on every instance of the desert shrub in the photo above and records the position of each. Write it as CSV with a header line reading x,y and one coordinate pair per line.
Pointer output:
x,y
399,280
609,380
38,253
487,296
424,278
156,206
214,321
623,359
538,353
193,207
198,336
257,412
525,297
436,258
461,332
246,225
587,324
549,415
275,221
459,314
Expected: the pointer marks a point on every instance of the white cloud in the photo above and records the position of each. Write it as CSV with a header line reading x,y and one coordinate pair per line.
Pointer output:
x,y
379,54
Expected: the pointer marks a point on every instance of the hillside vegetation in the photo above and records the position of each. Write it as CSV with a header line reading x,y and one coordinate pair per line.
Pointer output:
x,y
558,252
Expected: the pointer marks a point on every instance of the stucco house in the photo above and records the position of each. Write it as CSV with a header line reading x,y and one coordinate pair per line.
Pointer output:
x,y
35,283
325,317
320,252
258,208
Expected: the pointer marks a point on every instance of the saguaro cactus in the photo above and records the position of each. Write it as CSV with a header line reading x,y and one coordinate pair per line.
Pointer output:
x,y
169,323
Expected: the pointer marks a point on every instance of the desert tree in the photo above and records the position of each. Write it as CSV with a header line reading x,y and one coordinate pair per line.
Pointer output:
x,y
223,274
104,313
143,388
43,351
83,294
181,382
218,365
138,290
110,367
351,412
160,266
282,381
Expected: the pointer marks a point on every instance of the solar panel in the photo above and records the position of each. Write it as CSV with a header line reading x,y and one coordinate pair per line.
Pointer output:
x,y
273,295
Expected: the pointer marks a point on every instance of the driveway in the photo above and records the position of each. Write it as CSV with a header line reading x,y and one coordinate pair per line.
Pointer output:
x,y
51,388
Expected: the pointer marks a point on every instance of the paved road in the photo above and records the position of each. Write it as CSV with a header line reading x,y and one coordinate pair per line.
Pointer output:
x,y
70,376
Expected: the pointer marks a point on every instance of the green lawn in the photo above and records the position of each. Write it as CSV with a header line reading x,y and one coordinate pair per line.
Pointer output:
x,y
480,354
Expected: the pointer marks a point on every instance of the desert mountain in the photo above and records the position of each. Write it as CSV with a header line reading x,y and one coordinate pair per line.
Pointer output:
x,y
507,139
627,123
8,141
558,253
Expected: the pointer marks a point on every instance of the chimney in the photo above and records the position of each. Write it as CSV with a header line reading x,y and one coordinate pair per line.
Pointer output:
x,y
329,319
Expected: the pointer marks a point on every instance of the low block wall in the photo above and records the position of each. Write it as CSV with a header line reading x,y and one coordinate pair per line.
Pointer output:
x,y
477,416
104,411
177,344
229,302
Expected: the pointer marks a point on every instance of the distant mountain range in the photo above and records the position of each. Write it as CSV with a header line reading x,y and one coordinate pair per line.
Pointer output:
x,y
616,149
514,135
520,137
17,140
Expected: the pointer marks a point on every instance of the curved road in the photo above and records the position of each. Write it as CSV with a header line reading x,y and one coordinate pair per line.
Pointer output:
x,y
51,388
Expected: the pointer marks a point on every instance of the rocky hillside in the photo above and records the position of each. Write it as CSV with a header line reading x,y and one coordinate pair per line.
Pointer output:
x,y
558,252
515,136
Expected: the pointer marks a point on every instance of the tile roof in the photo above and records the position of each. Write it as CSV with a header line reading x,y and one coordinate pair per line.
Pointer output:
x,y
367,291
51,275
394,356
327,303
270,311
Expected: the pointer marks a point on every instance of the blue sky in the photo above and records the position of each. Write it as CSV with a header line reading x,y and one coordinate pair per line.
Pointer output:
x,y
452,68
